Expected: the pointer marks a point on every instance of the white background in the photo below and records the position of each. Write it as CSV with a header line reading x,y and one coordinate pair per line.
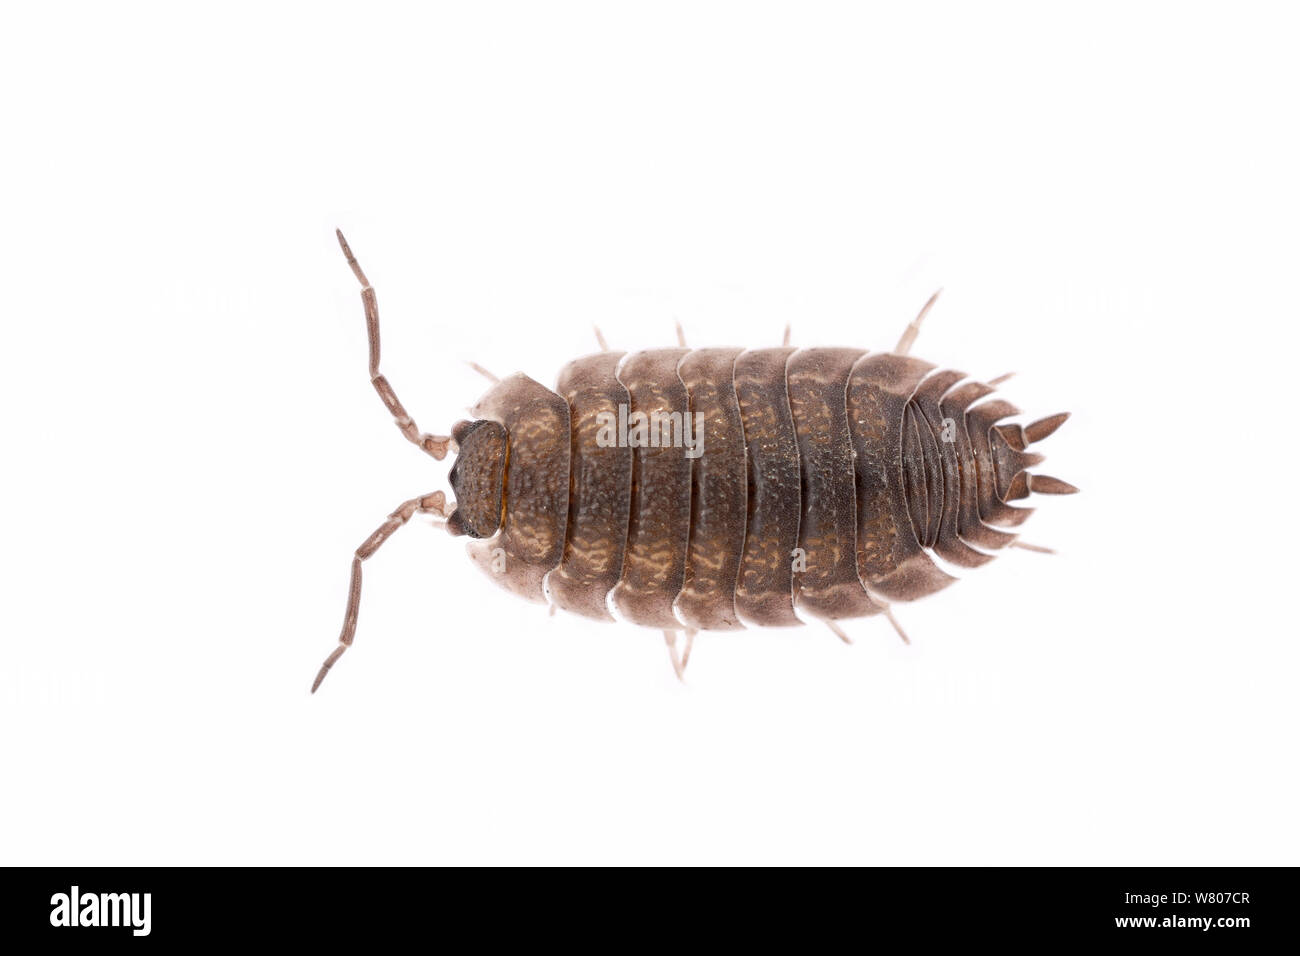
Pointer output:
x,y
1108,193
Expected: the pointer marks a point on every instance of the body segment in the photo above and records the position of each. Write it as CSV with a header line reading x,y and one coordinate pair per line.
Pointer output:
x,y
827,584
531,540
765,587
718,492
654,565
600,488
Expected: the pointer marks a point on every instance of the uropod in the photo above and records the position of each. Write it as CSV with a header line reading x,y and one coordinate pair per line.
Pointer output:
x,y
689,490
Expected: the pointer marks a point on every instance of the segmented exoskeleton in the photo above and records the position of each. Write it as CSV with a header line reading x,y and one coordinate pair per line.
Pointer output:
x,y
707,489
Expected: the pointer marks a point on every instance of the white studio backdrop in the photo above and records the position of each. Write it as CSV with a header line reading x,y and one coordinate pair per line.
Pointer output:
x,y
1107,194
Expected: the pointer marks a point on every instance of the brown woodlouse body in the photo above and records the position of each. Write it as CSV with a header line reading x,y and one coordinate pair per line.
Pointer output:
x,y
707,489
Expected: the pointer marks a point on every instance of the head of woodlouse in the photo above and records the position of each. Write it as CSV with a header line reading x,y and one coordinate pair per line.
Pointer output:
x,y
477,478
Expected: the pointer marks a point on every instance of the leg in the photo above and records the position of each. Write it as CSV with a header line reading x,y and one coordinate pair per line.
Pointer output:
x,y
838,631
484,372
435,445
690,645
600,339
889,615
670,638
435,503
901,633
1026,546
681,336
909,334
785,339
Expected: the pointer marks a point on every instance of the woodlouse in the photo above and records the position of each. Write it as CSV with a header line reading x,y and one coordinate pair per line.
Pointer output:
x,y
819,481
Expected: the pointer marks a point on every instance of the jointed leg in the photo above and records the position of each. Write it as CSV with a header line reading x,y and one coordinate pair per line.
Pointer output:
x,y
1026,546
670,638
897,627
680,660
435,503
435,445
690,645
909,334
838,631
889,616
